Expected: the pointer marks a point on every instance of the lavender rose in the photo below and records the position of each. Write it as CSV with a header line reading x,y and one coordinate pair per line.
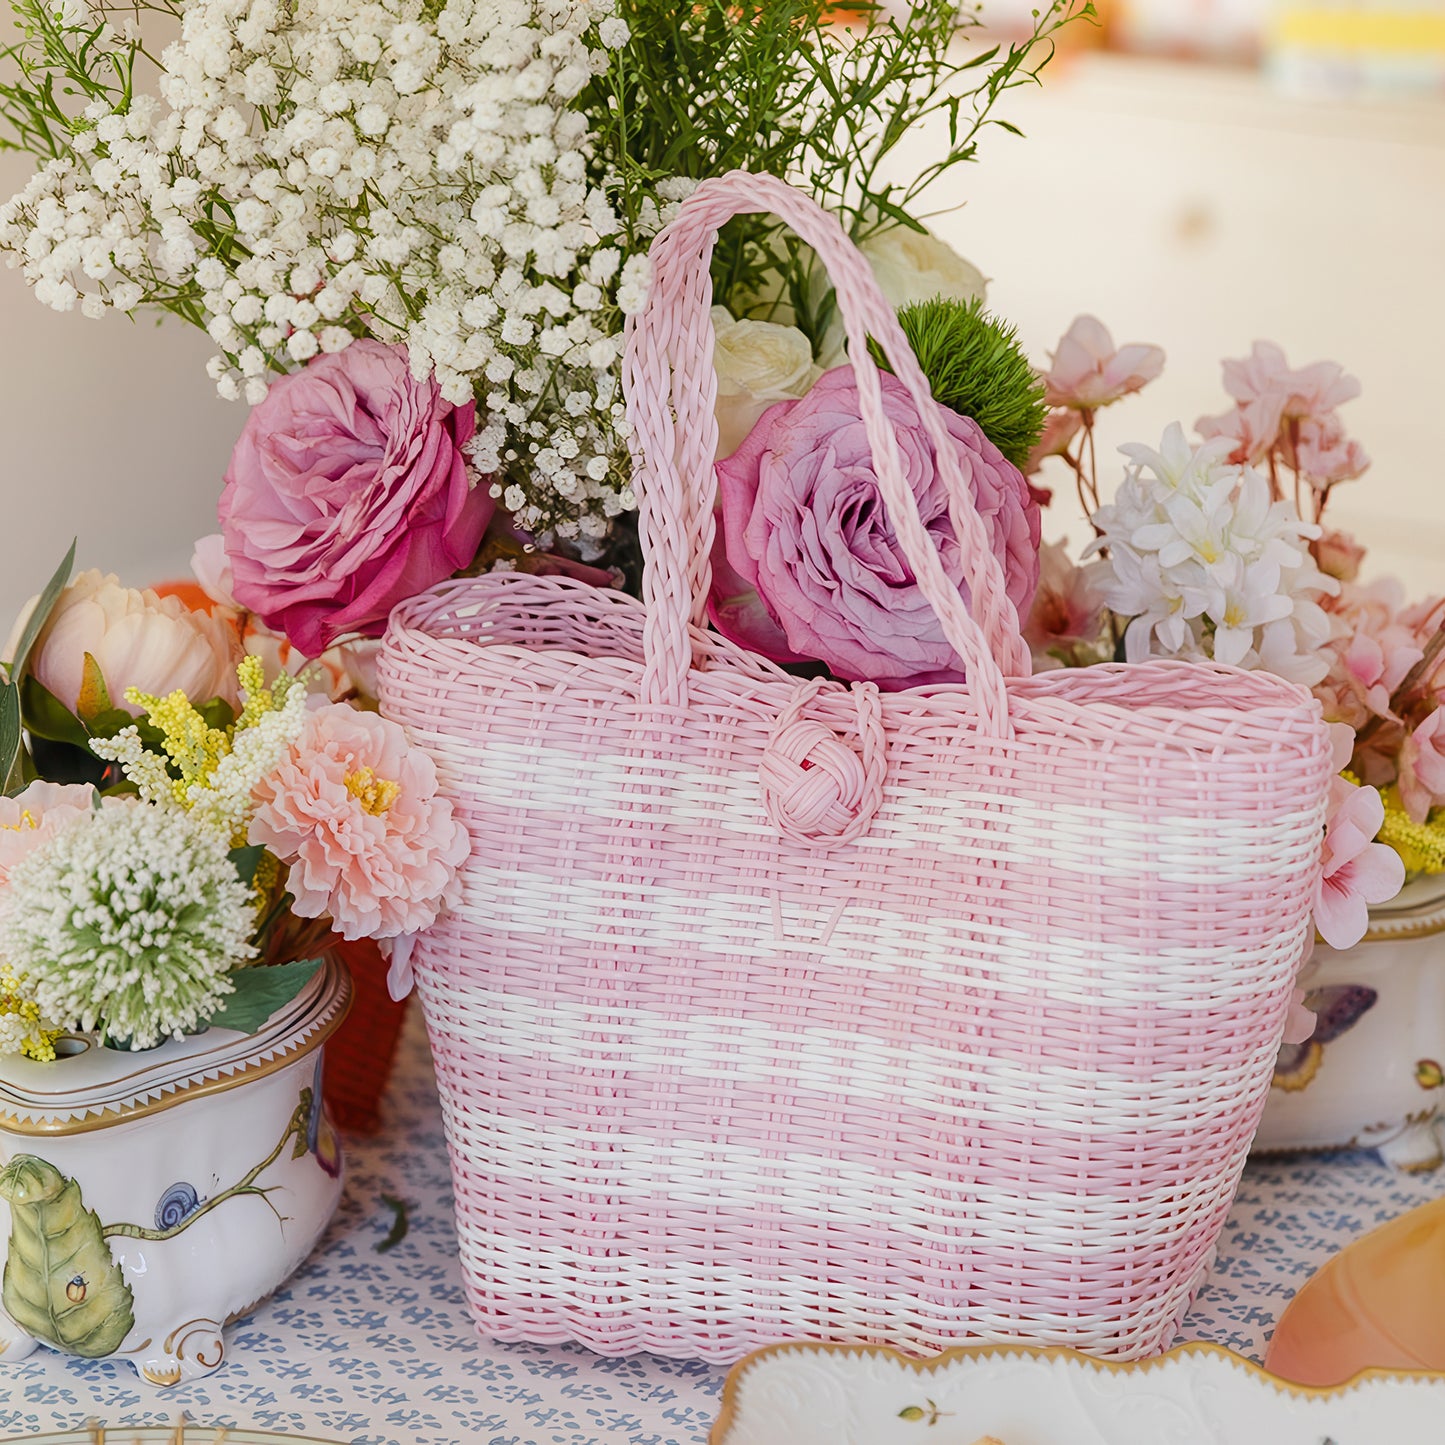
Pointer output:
x,y
807,566
347,493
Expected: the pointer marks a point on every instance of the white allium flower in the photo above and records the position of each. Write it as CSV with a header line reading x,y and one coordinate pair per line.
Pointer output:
x,y
1205,565
128,919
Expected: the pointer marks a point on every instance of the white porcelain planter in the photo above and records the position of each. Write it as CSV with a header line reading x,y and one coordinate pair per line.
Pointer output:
x,y
147,1199
1373,1075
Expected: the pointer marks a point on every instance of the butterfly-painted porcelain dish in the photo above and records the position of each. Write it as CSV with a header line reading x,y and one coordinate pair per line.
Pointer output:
x,y
1195,1395
147,1199
1373,1074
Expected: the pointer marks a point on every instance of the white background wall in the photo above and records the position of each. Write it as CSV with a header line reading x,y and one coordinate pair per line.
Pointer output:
x,y
1183,206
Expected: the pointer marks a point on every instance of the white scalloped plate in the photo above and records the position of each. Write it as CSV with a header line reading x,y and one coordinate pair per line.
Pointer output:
x,y
185,1434
1195,1395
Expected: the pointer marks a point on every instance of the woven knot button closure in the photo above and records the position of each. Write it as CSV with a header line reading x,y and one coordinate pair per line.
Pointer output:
x,y
818,789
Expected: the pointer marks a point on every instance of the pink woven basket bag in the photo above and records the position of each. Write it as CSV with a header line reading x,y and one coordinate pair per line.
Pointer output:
x,y
777,1009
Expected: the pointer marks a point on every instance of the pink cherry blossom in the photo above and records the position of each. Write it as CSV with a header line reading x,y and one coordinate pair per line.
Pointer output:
x,y
1357,871
1060,428
1278,406
1089,371
1339,555
354,812
1323,454
1068,610
1372,651
1422,767
1252,432
1265,377
1300,1021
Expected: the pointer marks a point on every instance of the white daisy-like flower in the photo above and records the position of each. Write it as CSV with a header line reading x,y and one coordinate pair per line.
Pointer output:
x,y
1204,564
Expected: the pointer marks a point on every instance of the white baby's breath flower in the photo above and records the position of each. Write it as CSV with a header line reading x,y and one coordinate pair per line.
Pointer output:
x,y
458,121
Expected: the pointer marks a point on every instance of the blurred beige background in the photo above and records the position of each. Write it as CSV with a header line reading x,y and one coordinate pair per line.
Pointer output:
x,y
1185,205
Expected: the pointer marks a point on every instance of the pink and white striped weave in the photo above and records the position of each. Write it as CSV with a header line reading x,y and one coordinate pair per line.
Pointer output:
x,y
780,1010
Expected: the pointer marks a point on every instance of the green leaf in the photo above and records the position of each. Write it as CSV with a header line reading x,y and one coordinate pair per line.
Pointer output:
x,y
94,696
260,992
912,1412
400,1224
41,615
217,713
246,860
108,724
47,717
12,774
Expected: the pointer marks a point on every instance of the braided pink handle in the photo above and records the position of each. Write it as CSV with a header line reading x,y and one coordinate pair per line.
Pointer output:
x,y
671,391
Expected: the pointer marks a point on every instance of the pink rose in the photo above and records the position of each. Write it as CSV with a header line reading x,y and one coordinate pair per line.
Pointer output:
x,y
807,566
137,639
347,493
1089,371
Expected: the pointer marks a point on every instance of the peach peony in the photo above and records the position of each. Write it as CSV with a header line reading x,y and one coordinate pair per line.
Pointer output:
x,y
354,812
138,639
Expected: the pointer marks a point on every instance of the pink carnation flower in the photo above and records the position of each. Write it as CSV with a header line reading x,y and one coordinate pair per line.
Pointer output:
x,y
1089,371
1357,871
36,814
354,811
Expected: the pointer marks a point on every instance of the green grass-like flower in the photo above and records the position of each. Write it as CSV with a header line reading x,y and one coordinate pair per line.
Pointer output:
x,y
976,367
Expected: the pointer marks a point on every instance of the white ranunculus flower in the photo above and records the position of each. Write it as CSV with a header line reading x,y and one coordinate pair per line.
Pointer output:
x,y
138,639
758,364
916,266
909,266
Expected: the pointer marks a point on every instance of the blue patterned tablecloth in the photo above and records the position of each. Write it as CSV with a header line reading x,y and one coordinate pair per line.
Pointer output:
x,y
377,1348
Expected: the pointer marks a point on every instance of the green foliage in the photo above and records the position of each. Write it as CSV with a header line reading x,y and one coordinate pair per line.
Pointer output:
x,y
260,992
12,754
976,367
777,87
62,70
247,859
14,773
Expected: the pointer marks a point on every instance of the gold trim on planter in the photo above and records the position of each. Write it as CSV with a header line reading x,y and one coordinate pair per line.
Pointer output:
x,y
107,1117
725,1421
1386,930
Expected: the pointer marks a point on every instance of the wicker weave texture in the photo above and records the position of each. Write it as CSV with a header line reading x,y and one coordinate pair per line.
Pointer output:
x,y
781,1010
